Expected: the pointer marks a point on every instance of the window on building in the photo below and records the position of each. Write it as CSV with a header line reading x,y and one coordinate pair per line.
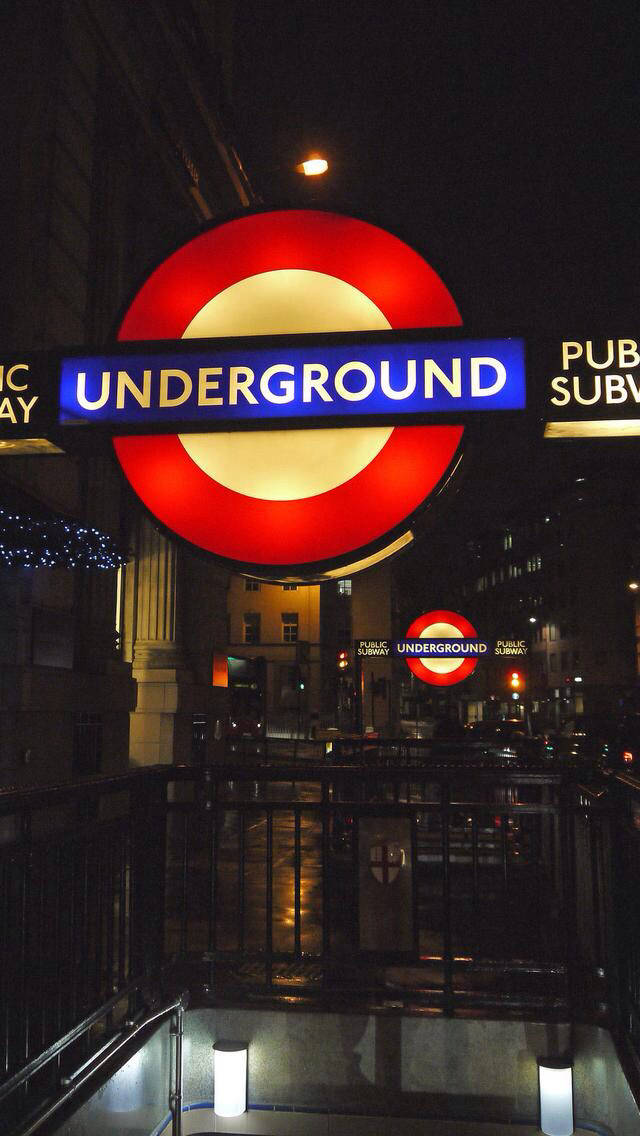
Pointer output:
x,y
251,627
119,610
52,638
289,627
87,744
252,585
507,541
289,587
564,660
553,662
344,587
553,633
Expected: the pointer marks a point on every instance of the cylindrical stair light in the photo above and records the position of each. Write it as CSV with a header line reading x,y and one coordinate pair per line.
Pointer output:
x,y
555,1079
229,1078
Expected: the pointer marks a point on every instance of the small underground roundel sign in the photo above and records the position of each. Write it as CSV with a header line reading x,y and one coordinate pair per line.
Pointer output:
x,y
441,648
270,501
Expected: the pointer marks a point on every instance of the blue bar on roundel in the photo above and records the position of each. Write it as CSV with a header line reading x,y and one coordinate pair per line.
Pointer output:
x,y
274,383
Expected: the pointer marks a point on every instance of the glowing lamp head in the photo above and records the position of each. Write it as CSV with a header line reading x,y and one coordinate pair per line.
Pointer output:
x,y
515,680
229,1078
343,660
313,166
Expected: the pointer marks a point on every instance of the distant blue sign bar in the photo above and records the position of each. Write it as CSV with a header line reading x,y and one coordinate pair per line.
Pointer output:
x,y
241,384
440,648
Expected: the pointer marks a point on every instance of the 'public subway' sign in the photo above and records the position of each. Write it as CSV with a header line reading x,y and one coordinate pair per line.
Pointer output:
x,y
595,390
440,648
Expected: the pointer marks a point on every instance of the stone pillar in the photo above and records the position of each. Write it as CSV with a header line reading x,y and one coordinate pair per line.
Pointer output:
x,y
160,728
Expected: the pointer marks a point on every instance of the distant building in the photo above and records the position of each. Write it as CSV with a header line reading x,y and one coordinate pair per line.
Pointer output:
x,y
280,624
554,577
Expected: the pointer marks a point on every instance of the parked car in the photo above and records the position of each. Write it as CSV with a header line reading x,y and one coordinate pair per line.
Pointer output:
x,y
600,741
507,736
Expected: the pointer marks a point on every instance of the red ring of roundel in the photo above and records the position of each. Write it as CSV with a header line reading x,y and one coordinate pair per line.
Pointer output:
x,y
362,509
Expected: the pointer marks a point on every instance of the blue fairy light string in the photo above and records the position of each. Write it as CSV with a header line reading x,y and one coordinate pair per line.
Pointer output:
x,y
26,542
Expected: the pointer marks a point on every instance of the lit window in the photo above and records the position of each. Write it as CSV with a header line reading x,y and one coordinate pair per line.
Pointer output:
x,y
289,627
252,585
344,587
251,623
507,541
119,612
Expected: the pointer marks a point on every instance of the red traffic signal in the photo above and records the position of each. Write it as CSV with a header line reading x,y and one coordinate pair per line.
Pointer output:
x,y
515,680
343,660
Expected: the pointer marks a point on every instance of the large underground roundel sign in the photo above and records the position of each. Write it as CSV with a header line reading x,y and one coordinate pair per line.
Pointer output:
x,y
278,502
441,625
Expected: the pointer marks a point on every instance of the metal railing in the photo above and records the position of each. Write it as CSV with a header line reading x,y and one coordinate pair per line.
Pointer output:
x,y
278,879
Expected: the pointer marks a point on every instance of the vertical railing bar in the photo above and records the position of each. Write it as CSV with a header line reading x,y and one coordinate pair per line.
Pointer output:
x,y
326,899
184,914
297,870
594,844
415,884
570,898
355,876
447,954
269,899
110,924
60,934
504,853
41,969
86,929
475,859
213,880
130,927
5,951
97,976
177,1029
122,911
24,936
241,876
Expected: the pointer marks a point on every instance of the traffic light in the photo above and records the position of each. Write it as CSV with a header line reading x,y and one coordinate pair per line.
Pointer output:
x,y
516,681
343,660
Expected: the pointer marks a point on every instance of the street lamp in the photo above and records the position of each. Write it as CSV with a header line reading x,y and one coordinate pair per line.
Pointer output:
x,y
313,166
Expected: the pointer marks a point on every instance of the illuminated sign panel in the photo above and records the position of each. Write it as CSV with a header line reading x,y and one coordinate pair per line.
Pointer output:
x,y
266,325
440,648
593,389
230,384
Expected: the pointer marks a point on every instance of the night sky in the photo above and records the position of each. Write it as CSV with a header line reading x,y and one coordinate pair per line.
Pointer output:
x,y
498,139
